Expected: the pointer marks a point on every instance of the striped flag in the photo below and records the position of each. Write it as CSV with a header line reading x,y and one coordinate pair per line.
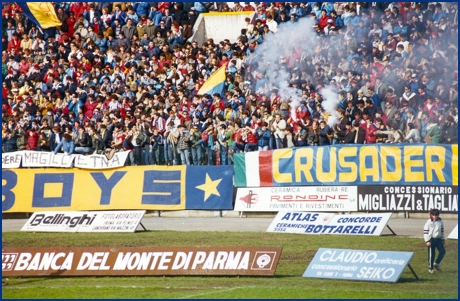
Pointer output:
x,y
253,169
40,13
215,83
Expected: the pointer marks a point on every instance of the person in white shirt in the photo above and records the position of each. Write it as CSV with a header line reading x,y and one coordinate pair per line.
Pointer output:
x,y
272,25
278,127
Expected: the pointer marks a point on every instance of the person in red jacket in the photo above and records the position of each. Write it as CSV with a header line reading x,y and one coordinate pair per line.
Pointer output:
x,y
218,102
5,90
24,66
371,136
322,21
70,23
32,138
78,8
89,106
251,139
14,43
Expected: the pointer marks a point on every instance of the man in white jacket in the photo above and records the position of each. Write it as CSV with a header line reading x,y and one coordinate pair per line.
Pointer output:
x,y
278,127
433,233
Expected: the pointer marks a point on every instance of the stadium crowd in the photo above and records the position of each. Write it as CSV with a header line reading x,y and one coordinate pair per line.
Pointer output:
x,y
125,76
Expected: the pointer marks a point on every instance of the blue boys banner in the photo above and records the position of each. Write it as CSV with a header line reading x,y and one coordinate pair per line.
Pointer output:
x,y
128,188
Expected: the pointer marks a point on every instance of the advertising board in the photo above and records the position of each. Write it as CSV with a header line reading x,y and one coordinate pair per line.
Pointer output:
x,y
84,221
357,224
364,265
411,198
49,159
298,222
329,223
305,198
454,233
135,261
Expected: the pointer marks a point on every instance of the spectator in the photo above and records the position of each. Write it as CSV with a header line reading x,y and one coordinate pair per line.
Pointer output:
x,y
414,135
66,144
449,131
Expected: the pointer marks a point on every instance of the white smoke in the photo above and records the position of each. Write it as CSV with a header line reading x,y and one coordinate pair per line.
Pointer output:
x,y
291,38
329,104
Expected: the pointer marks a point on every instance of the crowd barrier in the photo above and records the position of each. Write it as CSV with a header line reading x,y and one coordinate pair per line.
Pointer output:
x,y
377,178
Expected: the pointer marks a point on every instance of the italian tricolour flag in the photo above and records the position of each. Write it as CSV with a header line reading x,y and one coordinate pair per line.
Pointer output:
x,y
253,169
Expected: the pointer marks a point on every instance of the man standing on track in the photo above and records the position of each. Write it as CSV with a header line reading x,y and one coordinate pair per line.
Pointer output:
x,y
433,233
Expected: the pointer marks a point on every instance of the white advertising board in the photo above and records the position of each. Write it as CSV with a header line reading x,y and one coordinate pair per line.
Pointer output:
x,y
358,224
114,221
305,198
322,223
298,222
84,221
454,233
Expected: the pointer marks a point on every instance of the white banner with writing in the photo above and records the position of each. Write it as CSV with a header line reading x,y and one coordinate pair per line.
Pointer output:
x,y
11,160
101,161
84,221
49,159
304,198
46,159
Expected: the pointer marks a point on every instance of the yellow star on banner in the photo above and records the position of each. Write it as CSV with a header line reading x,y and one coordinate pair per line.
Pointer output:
x,y
209,187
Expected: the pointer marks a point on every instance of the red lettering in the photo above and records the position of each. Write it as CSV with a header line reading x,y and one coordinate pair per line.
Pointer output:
x,y
308,198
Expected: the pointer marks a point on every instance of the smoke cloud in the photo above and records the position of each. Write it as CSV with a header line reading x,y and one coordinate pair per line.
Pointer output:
x,y
280,55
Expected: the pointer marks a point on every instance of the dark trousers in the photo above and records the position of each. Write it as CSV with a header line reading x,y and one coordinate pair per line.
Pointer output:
x,y
436,243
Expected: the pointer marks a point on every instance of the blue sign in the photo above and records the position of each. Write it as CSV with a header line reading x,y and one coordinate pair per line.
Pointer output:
x,y
364,265
209,188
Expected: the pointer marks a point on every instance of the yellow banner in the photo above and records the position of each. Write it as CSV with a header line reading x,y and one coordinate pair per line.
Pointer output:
x,y
31,190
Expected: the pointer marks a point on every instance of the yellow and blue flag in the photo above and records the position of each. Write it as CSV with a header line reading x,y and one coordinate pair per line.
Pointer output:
x,y
215,83
40,13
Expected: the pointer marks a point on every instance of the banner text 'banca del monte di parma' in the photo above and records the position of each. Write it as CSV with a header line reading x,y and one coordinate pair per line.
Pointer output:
x,y
402,164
